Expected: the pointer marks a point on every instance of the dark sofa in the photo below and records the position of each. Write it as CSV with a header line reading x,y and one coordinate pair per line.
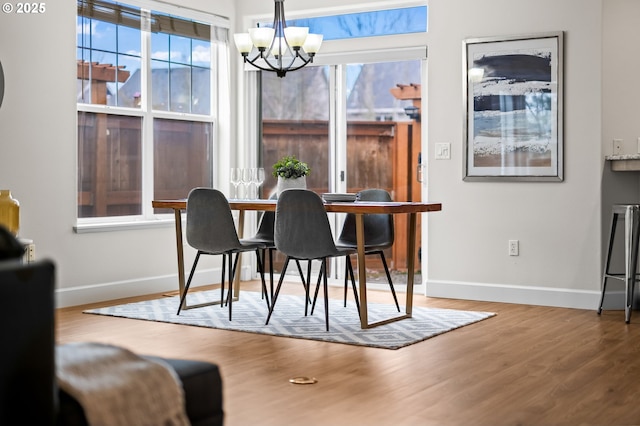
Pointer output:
x,y
28,391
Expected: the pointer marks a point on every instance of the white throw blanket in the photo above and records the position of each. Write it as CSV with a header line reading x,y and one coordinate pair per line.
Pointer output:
x,y
117,387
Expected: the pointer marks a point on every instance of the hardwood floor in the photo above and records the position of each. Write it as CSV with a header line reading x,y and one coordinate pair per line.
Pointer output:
x,y
528,365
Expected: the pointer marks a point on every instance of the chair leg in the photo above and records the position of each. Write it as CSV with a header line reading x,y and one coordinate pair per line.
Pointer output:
x,y
271,250
322,277
386,270
307,289
232,274
275,296
326,294
264,260
346,278
353,284
186,288
224,270
304,282
261,272
315,293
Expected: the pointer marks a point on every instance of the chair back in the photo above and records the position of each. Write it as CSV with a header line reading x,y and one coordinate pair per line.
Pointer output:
x,y
378,228
210,225
267,223
302,227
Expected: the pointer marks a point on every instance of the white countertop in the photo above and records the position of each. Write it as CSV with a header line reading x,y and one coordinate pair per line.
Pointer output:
x,y
624,162
622,157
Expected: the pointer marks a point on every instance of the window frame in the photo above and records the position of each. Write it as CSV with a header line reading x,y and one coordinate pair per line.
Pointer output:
x,y
220,99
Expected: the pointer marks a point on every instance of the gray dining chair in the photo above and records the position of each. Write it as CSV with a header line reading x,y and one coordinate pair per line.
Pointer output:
x,y
264,236
212,231
302,232
378,236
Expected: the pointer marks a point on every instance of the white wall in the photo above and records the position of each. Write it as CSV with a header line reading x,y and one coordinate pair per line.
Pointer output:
x,y
621,67
559,225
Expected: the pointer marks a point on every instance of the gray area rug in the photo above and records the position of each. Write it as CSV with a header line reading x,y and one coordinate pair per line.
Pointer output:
x,y
288,320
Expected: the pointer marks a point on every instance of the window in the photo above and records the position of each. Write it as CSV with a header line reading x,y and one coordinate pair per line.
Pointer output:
x,y
146,118
405,20
300,116
295,113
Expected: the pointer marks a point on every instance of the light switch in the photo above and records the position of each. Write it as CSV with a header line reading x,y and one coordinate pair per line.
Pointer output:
x,y
443,151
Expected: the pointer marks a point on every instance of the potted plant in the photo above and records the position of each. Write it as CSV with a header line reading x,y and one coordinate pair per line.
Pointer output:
x,y
291,173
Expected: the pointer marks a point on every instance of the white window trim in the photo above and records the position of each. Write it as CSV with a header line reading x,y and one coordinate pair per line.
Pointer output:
x,y
219,106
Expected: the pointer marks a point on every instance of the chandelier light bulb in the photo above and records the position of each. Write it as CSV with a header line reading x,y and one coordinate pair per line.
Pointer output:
x,y
312,43
296,36
261,37
243,42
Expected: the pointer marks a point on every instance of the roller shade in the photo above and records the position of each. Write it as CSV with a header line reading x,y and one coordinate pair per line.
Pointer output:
x,y
131,16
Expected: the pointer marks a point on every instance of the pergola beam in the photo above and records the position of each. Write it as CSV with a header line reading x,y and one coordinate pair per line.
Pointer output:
x,y
102,72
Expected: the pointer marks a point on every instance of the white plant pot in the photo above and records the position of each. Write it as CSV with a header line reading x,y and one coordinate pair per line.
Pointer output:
x,y
297,183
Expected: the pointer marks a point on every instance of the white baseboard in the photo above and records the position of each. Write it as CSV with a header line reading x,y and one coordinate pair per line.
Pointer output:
x,y
541,296
102,292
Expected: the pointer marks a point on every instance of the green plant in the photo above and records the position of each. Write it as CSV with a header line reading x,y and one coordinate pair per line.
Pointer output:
x,y
289,167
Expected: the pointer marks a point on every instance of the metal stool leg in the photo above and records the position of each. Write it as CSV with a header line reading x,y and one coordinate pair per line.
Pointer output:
x,y
607,262
632,235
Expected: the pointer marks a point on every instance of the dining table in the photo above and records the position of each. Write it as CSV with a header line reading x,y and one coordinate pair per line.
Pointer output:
x,y
358,208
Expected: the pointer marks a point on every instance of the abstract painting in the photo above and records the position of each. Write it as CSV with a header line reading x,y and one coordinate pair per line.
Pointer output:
x,y
513,108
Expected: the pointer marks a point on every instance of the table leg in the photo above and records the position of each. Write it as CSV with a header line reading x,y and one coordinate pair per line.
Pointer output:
x,y
362,271
236,279
180,251
411,252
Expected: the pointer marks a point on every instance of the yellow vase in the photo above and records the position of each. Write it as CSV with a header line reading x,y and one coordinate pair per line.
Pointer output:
x,y
9,211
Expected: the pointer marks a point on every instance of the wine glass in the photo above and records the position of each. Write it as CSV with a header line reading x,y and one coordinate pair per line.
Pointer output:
x,y
259,179
246,181
236,176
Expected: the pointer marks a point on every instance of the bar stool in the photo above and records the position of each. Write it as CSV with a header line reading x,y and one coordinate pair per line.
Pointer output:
x,y
631,216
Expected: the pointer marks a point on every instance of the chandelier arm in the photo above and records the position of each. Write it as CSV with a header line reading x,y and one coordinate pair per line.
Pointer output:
x,y
260,67
305,62
270,67
290,67
281,70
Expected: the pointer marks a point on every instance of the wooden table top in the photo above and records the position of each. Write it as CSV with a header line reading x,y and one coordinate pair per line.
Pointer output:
x,y
334,207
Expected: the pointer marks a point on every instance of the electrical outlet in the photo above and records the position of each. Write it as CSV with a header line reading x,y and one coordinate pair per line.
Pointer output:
x,y
617,146
639,145
514,248
31,252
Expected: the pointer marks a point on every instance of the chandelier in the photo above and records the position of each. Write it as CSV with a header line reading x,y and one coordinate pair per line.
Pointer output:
x,y
279,49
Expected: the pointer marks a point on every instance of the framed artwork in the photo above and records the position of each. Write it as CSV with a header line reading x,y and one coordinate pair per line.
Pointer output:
x,y
513,108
